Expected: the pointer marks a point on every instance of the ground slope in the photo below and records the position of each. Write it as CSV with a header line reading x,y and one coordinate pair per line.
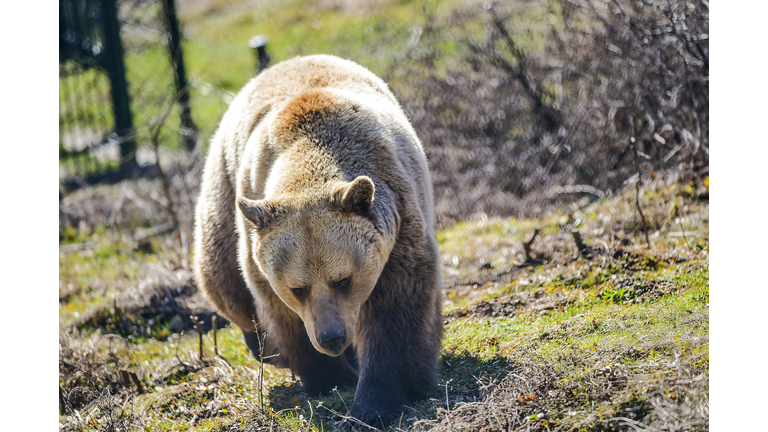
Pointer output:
x,y
549,334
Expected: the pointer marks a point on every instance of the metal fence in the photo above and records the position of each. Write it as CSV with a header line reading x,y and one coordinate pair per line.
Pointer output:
x,y
121,67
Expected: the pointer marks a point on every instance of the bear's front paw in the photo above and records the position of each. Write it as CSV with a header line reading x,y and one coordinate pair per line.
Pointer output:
x,y
361,422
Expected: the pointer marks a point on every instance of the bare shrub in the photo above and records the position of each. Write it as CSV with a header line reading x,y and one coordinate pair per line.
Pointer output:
x,y
511,130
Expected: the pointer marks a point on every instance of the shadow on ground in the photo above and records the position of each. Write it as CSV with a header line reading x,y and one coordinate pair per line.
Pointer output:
x,y
160,305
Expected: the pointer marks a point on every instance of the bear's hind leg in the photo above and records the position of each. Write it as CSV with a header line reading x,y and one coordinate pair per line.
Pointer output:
x,y
217,272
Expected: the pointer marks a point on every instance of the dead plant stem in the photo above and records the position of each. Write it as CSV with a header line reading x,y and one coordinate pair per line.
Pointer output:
x,y
156,128
638,185
196,321
215,342
527,246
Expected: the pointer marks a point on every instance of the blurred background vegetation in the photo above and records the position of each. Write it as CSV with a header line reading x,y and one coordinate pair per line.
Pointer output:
x,y
519,104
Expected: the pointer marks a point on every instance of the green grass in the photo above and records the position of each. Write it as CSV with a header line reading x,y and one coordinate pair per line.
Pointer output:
x,y
478,349
642,314
614,323
219,61
90,279
636,324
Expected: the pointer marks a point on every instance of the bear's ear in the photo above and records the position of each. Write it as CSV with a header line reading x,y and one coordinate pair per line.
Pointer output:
x,y
356,196
262,213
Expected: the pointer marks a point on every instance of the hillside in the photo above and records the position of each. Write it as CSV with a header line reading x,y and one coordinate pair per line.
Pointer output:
x,y
612,337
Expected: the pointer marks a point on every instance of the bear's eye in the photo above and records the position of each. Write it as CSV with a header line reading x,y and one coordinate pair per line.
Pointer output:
x,y
299,292
342,283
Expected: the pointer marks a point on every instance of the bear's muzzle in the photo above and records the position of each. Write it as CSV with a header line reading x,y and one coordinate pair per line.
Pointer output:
x,y
332,339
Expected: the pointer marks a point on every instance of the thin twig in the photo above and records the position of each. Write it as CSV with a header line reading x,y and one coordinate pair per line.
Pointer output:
x,y
521,73
196,322
311,414
261,370
683,230
633,143
154,231
680,221
527,246
629,422
187,190
336,390
215,342
177,351
166,187
579,242
155,128
447,402
349,419
261,337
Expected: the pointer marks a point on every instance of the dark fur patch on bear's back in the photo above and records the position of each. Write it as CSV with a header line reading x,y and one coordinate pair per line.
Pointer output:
x,y
305,110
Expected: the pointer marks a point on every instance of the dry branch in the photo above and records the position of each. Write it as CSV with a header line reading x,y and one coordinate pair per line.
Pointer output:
x,y
215,342
154,138
633,143
527,246
502,125
580,245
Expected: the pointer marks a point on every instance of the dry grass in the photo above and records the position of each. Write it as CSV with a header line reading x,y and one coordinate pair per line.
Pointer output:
x,y
613,337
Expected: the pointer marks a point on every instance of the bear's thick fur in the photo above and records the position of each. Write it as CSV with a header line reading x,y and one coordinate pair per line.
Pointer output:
x,y
315,224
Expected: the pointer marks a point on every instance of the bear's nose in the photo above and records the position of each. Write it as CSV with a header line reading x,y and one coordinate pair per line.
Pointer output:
x,y
332,339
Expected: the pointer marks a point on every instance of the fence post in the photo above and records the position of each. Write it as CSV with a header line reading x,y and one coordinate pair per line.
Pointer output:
x,y
121,101
189,129
259,45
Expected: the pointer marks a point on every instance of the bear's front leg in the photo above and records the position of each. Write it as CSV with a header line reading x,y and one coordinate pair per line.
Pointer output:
x,y
398,352
319,373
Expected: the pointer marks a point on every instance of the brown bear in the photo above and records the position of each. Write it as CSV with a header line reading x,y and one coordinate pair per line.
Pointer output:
x,y
315,225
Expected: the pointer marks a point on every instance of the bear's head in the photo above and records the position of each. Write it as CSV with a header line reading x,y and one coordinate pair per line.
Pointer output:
x,y
322,258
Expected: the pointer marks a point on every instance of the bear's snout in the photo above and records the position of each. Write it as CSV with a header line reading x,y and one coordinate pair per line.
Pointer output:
x,y
332,339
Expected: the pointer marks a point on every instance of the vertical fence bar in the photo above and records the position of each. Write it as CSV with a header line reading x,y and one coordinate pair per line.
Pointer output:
x,y
121,102
189,129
